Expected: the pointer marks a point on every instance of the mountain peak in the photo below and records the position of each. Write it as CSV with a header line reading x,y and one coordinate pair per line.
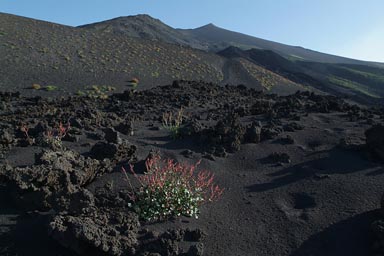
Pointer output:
x,y
141,17
208,26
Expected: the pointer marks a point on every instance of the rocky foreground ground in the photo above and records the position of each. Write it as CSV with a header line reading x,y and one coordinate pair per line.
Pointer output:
x,y
302,173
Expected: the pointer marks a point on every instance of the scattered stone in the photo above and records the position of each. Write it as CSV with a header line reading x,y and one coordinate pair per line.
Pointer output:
x,y
209,157
288,139
187,153
220,152
196,250
125,128
375,140
191,128
370,121
81,202
6,138
253,133
70,137
155,128
3,106
291,127
382,205
261,107
278,158
313,144
95,135
228,132
176,84
352,143
193,235
268,133
321,176
114,152
102,150
112,136
377,229
75,122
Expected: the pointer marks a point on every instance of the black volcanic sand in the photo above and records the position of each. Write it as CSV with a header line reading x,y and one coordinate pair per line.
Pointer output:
x,y
298,177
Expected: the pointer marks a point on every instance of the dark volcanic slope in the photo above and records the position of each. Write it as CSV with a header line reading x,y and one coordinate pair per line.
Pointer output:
x,y
291,187
75,59
363,83
50,54
218,38
275,67
211,38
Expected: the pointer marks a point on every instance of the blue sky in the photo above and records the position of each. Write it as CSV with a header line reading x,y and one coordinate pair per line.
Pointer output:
x,y
351,28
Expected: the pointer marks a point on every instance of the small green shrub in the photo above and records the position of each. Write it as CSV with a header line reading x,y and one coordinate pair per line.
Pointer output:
x,y
80,93
173,123
134,82
171,189
99,91
50,88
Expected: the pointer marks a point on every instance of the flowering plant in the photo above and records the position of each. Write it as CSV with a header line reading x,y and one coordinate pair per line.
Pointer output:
x,y
171,189
53,137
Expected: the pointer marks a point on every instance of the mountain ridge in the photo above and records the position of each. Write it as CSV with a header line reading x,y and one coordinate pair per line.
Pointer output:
x,y
211,37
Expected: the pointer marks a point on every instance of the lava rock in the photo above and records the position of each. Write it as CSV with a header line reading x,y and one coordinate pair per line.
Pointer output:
x,y
187,153
382,205
253,133
209,157
80,202
352,143
220,152
56,175
75,122
291,127
114,152
70,137
230,133
278,158
288,139
196,250
102,150
125,128
191,128
176,84
112,136
193,235
261,107
377,229
39,129
97,232
375,140
6,138
268,133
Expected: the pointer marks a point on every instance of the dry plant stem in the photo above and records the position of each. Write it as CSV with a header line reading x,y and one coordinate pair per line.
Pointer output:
x,y
172,123
131,193
25,130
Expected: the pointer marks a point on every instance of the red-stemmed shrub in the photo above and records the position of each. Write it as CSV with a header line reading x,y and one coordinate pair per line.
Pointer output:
x,y
53,137
171,189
